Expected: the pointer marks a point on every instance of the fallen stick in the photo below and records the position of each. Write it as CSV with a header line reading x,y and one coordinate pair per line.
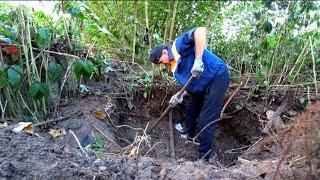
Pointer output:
x,y
59,119
172,150
103,134
78,142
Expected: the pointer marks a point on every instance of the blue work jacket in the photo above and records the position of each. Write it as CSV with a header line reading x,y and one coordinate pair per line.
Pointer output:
x,y
213,65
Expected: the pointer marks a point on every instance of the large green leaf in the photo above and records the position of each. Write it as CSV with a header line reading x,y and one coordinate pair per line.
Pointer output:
x,y
3,79
39,90
43,37
54,72
88,66
15,75
44,89
84,68
78,68
34,89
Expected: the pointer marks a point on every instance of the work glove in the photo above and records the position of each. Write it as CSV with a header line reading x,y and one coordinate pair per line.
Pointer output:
x,y
174,101
197,68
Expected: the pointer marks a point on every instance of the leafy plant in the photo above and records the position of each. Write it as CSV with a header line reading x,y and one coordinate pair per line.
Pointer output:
x,y
84,68
39,90
97,145
15,74
43,37
103,64
3,79
54,72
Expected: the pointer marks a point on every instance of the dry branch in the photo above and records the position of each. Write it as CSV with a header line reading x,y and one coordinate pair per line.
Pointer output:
x,y
172,150
78,113
245,79
78,142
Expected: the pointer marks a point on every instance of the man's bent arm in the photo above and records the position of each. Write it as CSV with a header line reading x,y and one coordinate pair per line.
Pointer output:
x,y
200,41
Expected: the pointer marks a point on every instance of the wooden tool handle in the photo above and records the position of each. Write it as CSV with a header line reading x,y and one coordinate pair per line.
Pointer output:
x,y
152,125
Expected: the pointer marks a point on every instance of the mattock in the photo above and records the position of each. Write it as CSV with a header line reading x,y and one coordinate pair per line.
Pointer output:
x,y
165,112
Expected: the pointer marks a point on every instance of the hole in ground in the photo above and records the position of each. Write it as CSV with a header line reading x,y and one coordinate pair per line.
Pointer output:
x,y
232,137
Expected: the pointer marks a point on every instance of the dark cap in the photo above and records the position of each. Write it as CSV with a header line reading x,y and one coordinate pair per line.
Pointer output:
x,y
155,53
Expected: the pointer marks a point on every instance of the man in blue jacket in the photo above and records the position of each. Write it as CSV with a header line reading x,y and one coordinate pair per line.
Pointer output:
x,y
188,57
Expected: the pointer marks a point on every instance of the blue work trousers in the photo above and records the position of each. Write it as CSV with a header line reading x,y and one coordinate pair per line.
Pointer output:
x,y
207,106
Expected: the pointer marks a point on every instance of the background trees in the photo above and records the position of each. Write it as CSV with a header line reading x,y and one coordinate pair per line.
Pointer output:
x,y
275,42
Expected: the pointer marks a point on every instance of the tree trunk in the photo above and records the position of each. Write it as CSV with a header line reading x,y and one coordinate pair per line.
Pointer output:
x,y
134,32
173,19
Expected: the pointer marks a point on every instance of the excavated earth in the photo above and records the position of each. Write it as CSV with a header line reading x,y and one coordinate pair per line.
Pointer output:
x,y
127,152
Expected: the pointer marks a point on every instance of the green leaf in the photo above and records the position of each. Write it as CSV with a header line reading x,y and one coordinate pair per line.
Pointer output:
x,y
39,90
34,89
105,31
272,41
43,37
54,72
91,28
74,11
97,145
3,77
88,66
259,74
267,27
15,75
44,89
78,68
266,84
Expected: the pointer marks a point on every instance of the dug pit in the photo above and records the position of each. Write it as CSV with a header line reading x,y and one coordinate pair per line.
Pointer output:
x,y
233,136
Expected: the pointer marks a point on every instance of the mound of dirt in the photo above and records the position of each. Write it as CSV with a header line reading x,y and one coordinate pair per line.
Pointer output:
x,y
34,157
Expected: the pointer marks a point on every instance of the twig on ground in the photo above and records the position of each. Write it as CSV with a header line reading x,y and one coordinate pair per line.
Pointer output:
x,y
78,113
159,142
144,137
207,153
103,133
254,143
78,142
124,125
231,151
132,114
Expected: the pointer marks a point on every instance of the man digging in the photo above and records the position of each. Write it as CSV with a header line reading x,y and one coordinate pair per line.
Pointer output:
x,y
204,97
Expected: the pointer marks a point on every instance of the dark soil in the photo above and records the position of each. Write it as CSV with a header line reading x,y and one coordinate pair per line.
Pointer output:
x,y
127,152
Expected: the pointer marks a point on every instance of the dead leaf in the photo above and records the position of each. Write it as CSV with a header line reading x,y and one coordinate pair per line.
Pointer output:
x,y
134,151
276,124
99,114
57,132
163,173
264,167
24,126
